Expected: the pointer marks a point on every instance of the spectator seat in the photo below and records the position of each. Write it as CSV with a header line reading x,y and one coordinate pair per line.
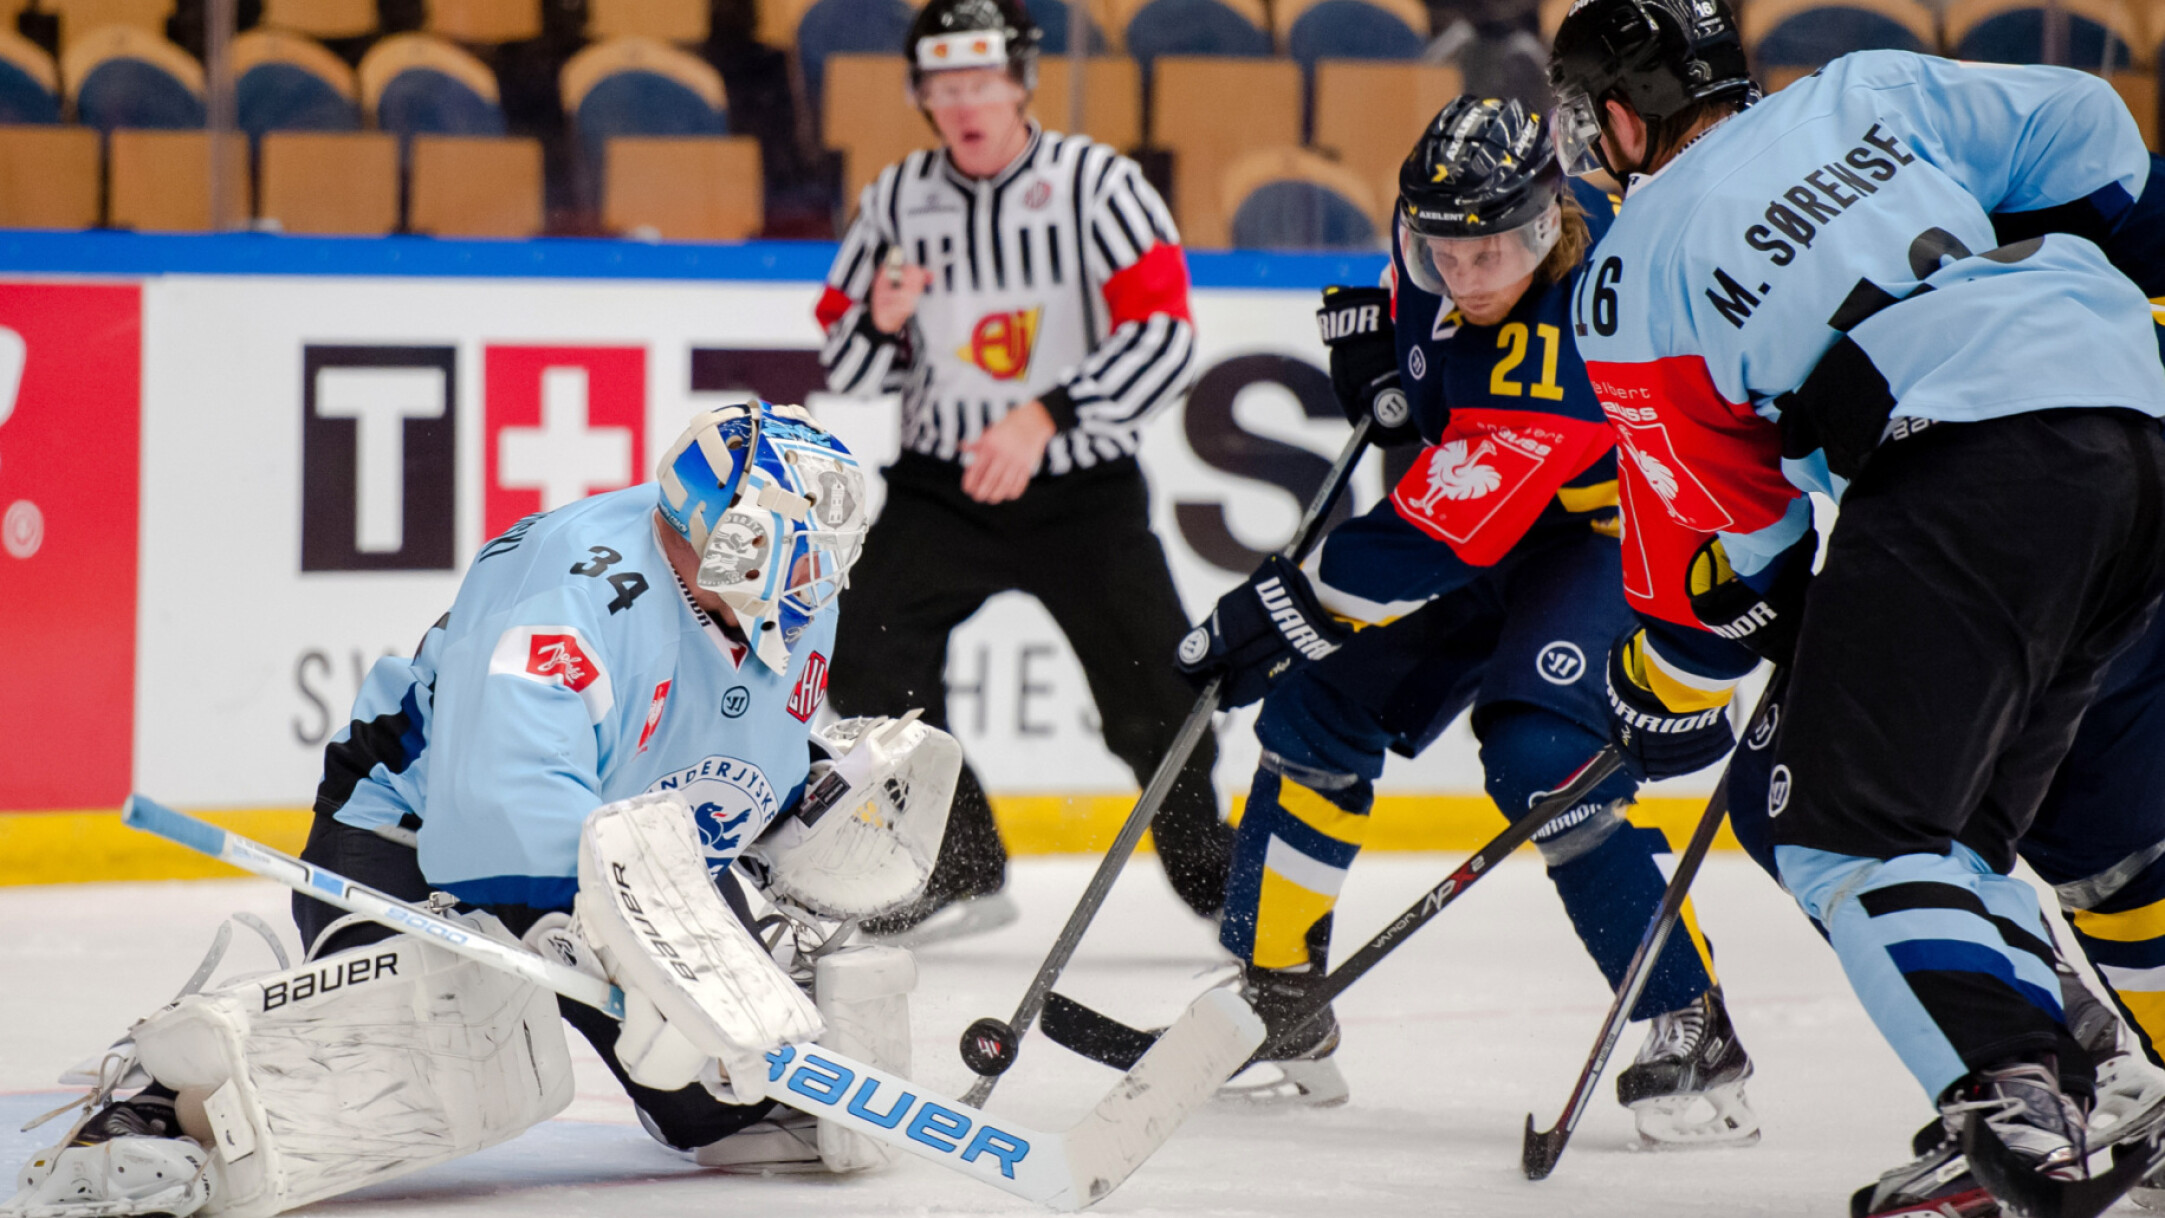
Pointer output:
x,y
867,116
474,186
684,188
1210,110
2101,34
1290,198
1155,28
687,21
1368,115
48,176
483,22
834,27
1312,30
418,84
342,183
159,181
321,18
1112,110
122,76
287,82
29,81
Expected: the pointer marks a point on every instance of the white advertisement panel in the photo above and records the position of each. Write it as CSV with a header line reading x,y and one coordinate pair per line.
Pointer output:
x,y
322,457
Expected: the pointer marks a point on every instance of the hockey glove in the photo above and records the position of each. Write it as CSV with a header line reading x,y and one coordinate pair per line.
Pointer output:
x,y
1356,325
1656,739
1258,632
1727,605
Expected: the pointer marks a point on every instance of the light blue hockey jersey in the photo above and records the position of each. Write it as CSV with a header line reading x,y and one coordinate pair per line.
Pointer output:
x,y
572,670
1856,201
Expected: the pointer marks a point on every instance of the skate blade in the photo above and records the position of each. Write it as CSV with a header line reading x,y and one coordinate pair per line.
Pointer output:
x,y
1296,1084
1718,1116
971,916
1976,1203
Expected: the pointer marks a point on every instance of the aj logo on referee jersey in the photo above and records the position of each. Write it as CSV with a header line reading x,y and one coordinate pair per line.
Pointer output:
x,y
1002,343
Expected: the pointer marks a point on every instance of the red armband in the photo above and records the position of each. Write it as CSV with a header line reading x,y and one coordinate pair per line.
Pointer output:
x,y
1155,283
833,303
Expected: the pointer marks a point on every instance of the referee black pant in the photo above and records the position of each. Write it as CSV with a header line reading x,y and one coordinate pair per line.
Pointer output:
x,y
1081,544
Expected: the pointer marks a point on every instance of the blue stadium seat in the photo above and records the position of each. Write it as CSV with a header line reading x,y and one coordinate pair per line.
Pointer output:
x,y
1192,27
1290,198
1814,36
285,82
833,27
1051,17
637,86
1301,215
121,76
29,82
417,84
1351,29
2101,34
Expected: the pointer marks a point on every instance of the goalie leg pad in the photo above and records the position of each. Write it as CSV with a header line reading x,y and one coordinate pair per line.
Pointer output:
x,y
356,1068
661,928
865,994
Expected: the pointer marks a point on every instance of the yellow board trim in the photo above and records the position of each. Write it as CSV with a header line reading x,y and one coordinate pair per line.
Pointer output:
x,y
85,847
2129,926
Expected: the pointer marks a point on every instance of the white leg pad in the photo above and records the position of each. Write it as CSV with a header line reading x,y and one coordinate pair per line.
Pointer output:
x,y
864,993
357,1068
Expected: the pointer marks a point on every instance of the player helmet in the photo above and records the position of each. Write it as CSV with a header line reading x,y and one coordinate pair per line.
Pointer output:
x,y
1661,56
775,507
1479,198
948,34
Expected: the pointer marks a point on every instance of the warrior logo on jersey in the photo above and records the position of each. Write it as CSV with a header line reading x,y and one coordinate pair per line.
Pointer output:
x,y
555,655
731,802
1001,343
811,688
653,715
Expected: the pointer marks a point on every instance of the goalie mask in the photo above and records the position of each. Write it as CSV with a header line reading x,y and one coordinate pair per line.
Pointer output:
x,y
775,507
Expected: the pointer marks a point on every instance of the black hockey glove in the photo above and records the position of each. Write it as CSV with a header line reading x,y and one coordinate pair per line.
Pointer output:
x,y
1766,622
1258,632
1656,741
1356,325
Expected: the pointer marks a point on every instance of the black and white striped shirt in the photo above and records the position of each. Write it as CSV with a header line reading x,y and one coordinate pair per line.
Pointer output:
x,y
1059,279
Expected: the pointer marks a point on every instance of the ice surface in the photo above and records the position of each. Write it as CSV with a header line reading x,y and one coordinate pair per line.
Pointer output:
x,y
1483,1017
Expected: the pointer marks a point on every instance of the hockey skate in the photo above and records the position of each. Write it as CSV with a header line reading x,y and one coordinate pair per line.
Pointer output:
x,y
2022,1104
785,1143
1687,1087
1293,1065
942,922
128,1158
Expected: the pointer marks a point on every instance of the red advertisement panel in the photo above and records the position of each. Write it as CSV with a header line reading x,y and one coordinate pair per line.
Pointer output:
x,y
560,423
70,412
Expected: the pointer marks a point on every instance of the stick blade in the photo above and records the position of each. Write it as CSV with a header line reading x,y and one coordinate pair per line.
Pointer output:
x,y
1541,1150
1179,1074
1099,1037
2028,1193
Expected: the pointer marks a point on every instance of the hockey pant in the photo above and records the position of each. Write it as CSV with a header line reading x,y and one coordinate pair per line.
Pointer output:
x,y
1307,814
1081,544
686,1119
1979,582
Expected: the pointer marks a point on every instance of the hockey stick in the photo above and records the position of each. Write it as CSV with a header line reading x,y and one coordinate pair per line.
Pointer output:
x,y
988,1045
1541,1149
1104,1039
1067,1170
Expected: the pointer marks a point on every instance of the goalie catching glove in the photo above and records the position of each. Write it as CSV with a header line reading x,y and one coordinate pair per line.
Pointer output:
x,y
867,831
1258,632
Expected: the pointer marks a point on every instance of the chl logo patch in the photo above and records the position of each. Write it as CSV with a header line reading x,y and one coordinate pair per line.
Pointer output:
x,y
1778,792
1561,662
811,689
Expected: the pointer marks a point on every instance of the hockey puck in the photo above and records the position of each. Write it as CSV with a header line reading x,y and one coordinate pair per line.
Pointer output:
x,y
988,1047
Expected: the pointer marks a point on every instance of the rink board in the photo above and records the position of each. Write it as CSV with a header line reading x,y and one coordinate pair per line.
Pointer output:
x,y
234,471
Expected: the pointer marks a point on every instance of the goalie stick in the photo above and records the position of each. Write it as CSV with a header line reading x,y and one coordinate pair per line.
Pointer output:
x,y
988,1045
1071,1169
1104,1039
1542,1148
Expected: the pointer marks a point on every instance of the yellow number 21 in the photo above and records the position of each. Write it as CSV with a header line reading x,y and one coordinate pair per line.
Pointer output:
x,y
1512,341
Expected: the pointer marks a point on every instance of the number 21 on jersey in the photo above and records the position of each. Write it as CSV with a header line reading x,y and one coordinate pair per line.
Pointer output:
x,y
1511,340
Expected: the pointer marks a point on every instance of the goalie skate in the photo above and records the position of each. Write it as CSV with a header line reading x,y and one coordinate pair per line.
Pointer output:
x,y
1293,1066
121,1176
958,919
1686,1089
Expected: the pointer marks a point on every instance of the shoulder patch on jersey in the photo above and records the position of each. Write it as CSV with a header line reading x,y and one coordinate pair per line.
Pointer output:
x,y
653,715
556,655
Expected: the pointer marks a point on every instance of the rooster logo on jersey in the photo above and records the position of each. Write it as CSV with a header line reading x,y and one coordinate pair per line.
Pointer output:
x,y
1658,476
1455,472
1002,343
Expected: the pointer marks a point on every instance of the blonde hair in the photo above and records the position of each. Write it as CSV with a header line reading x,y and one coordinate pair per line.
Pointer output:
x,y
1571,243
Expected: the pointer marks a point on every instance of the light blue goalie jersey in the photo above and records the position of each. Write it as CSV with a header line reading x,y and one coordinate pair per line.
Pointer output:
x,y
1859,201
572,670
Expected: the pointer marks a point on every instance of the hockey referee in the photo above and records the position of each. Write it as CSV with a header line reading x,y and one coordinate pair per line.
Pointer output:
x,y
1025,292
